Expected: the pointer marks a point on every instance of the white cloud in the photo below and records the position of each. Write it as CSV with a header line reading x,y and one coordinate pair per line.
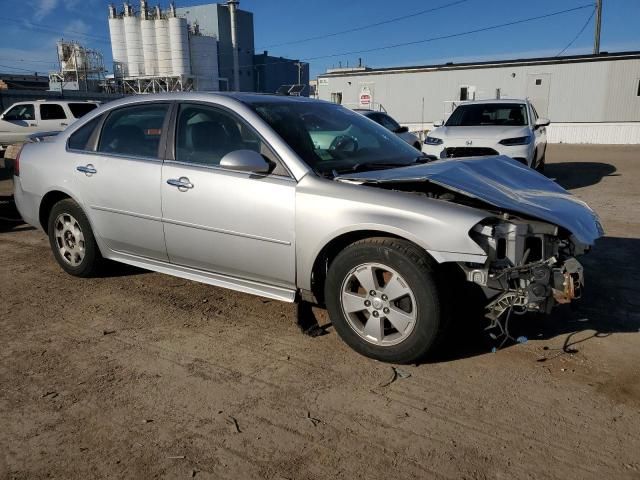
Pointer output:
x,y
75,28
44,8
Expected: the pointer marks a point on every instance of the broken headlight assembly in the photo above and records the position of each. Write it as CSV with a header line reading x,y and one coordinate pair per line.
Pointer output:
x,y
529,267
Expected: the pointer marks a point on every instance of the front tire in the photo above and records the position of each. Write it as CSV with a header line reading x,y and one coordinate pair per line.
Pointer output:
x,y
384,300
71,239
542,163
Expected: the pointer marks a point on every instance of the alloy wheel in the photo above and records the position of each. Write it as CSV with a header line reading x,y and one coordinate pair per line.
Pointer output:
x,y
378,304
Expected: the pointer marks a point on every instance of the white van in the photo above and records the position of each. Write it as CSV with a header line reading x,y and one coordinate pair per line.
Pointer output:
x,y
25,118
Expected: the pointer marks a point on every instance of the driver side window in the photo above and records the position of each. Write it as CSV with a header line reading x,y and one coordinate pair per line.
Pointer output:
x,y
204,135
20,113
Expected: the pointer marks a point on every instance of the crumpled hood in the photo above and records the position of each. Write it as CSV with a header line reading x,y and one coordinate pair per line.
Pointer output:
x,y
503,183
492,132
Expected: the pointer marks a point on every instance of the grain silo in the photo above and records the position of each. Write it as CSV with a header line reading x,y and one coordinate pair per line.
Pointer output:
x,y
204,62
118,43
179,42
148,33
133,37
152,51
163,48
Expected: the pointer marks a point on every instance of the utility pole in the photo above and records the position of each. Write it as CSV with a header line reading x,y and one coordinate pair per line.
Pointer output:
x,y
233,7
299,65
596,41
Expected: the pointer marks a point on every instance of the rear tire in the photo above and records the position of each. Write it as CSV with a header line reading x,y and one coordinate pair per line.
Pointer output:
x,y
71,239
384,300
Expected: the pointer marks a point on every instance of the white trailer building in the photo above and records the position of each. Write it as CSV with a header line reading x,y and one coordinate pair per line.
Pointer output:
x,y
589,98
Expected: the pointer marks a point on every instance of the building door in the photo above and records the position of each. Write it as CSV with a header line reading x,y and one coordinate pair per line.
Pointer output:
x,y
538,88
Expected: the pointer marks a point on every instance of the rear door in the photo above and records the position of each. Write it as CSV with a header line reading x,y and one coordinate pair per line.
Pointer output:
x,y
119,179
52,117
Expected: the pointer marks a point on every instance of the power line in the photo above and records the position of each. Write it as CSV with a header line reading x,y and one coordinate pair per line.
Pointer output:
x,y
364,27
53,29
19,69
578,35
26,60
452,35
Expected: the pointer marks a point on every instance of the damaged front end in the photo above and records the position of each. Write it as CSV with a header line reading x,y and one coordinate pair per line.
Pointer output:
x,y
530,265
533,231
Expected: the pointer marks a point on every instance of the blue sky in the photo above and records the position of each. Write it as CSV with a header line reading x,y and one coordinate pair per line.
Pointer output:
x,y
27,47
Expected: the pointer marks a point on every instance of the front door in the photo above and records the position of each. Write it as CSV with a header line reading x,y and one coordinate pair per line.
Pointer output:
x,y
120,182
233,223
18,123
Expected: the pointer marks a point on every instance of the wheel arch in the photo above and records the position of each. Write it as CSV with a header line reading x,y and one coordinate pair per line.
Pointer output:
x,y
337,244
46,204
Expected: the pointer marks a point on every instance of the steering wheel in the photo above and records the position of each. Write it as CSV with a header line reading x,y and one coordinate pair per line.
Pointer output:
x,y
344,143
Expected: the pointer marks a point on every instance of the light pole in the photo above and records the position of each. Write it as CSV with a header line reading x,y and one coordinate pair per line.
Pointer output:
x,y
596,41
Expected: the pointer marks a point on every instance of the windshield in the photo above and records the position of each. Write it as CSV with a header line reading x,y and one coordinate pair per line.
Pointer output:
x,y
331,138
479,114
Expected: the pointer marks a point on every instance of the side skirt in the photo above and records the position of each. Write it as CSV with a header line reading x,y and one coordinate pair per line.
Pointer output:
x,y
215,279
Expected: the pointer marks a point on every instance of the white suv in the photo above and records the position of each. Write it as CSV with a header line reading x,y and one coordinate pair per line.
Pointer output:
x,y
492,127
25,118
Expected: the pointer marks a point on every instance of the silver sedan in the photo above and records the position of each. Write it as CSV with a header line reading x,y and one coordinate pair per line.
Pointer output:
x,y
302,200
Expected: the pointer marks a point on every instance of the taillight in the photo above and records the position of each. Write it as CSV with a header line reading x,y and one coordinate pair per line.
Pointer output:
x,y
16,162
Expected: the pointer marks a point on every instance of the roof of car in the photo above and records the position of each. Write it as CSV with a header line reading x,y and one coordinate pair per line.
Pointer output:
x,y
495,100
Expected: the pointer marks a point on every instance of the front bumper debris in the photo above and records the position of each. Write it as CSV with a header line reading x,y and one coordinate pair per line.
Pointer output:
x,y
536,287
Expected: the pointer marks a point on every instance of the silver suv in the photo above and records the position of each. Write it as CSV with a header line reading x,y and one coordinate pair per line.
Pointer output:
x,y
23,119
298,199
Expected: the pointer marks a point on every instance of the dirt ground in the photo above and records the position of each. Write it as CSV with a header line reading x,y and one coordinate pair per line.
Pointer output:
x,y
142,375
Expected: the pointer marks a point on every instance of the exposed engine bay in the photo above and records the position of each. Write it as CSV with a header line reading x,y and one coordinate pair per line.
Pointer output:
x,y
530,264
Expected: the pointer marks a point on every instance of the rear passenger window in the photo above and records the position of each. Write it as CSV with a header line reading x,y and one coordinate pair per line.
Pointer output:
x,y
134,130
80,109
80,138
52,111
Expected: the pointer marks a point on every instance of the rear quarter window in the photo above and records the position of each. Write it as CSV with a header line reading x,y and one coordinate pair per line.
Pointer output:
x,y
80,109
79,140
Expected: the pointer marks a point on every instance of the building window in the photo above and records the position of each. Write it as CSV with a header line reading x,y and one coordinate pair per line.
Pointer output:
x,y
336,97
538,81
638,92
464,93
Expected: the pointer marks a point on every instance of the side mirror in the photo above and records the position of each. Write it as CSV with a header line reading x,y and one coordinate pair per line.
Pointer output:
x,y
542,122
401,130
438,123
245,161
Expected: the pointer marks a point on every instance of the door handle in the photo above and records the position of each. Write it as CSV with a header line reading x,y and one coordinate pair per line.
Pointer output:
x,y
63,124
33,124
182,183
88,170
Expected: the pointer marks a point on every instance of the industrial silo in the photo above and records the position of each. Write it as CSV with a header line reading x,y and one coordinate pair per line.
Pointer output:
x,y
118,44
179,43
163,48
204,62
148,33
135,57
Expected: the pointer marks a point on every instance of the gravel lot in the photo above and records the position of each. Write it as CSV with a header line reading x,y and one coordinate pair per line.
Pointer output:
x,y
141,375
